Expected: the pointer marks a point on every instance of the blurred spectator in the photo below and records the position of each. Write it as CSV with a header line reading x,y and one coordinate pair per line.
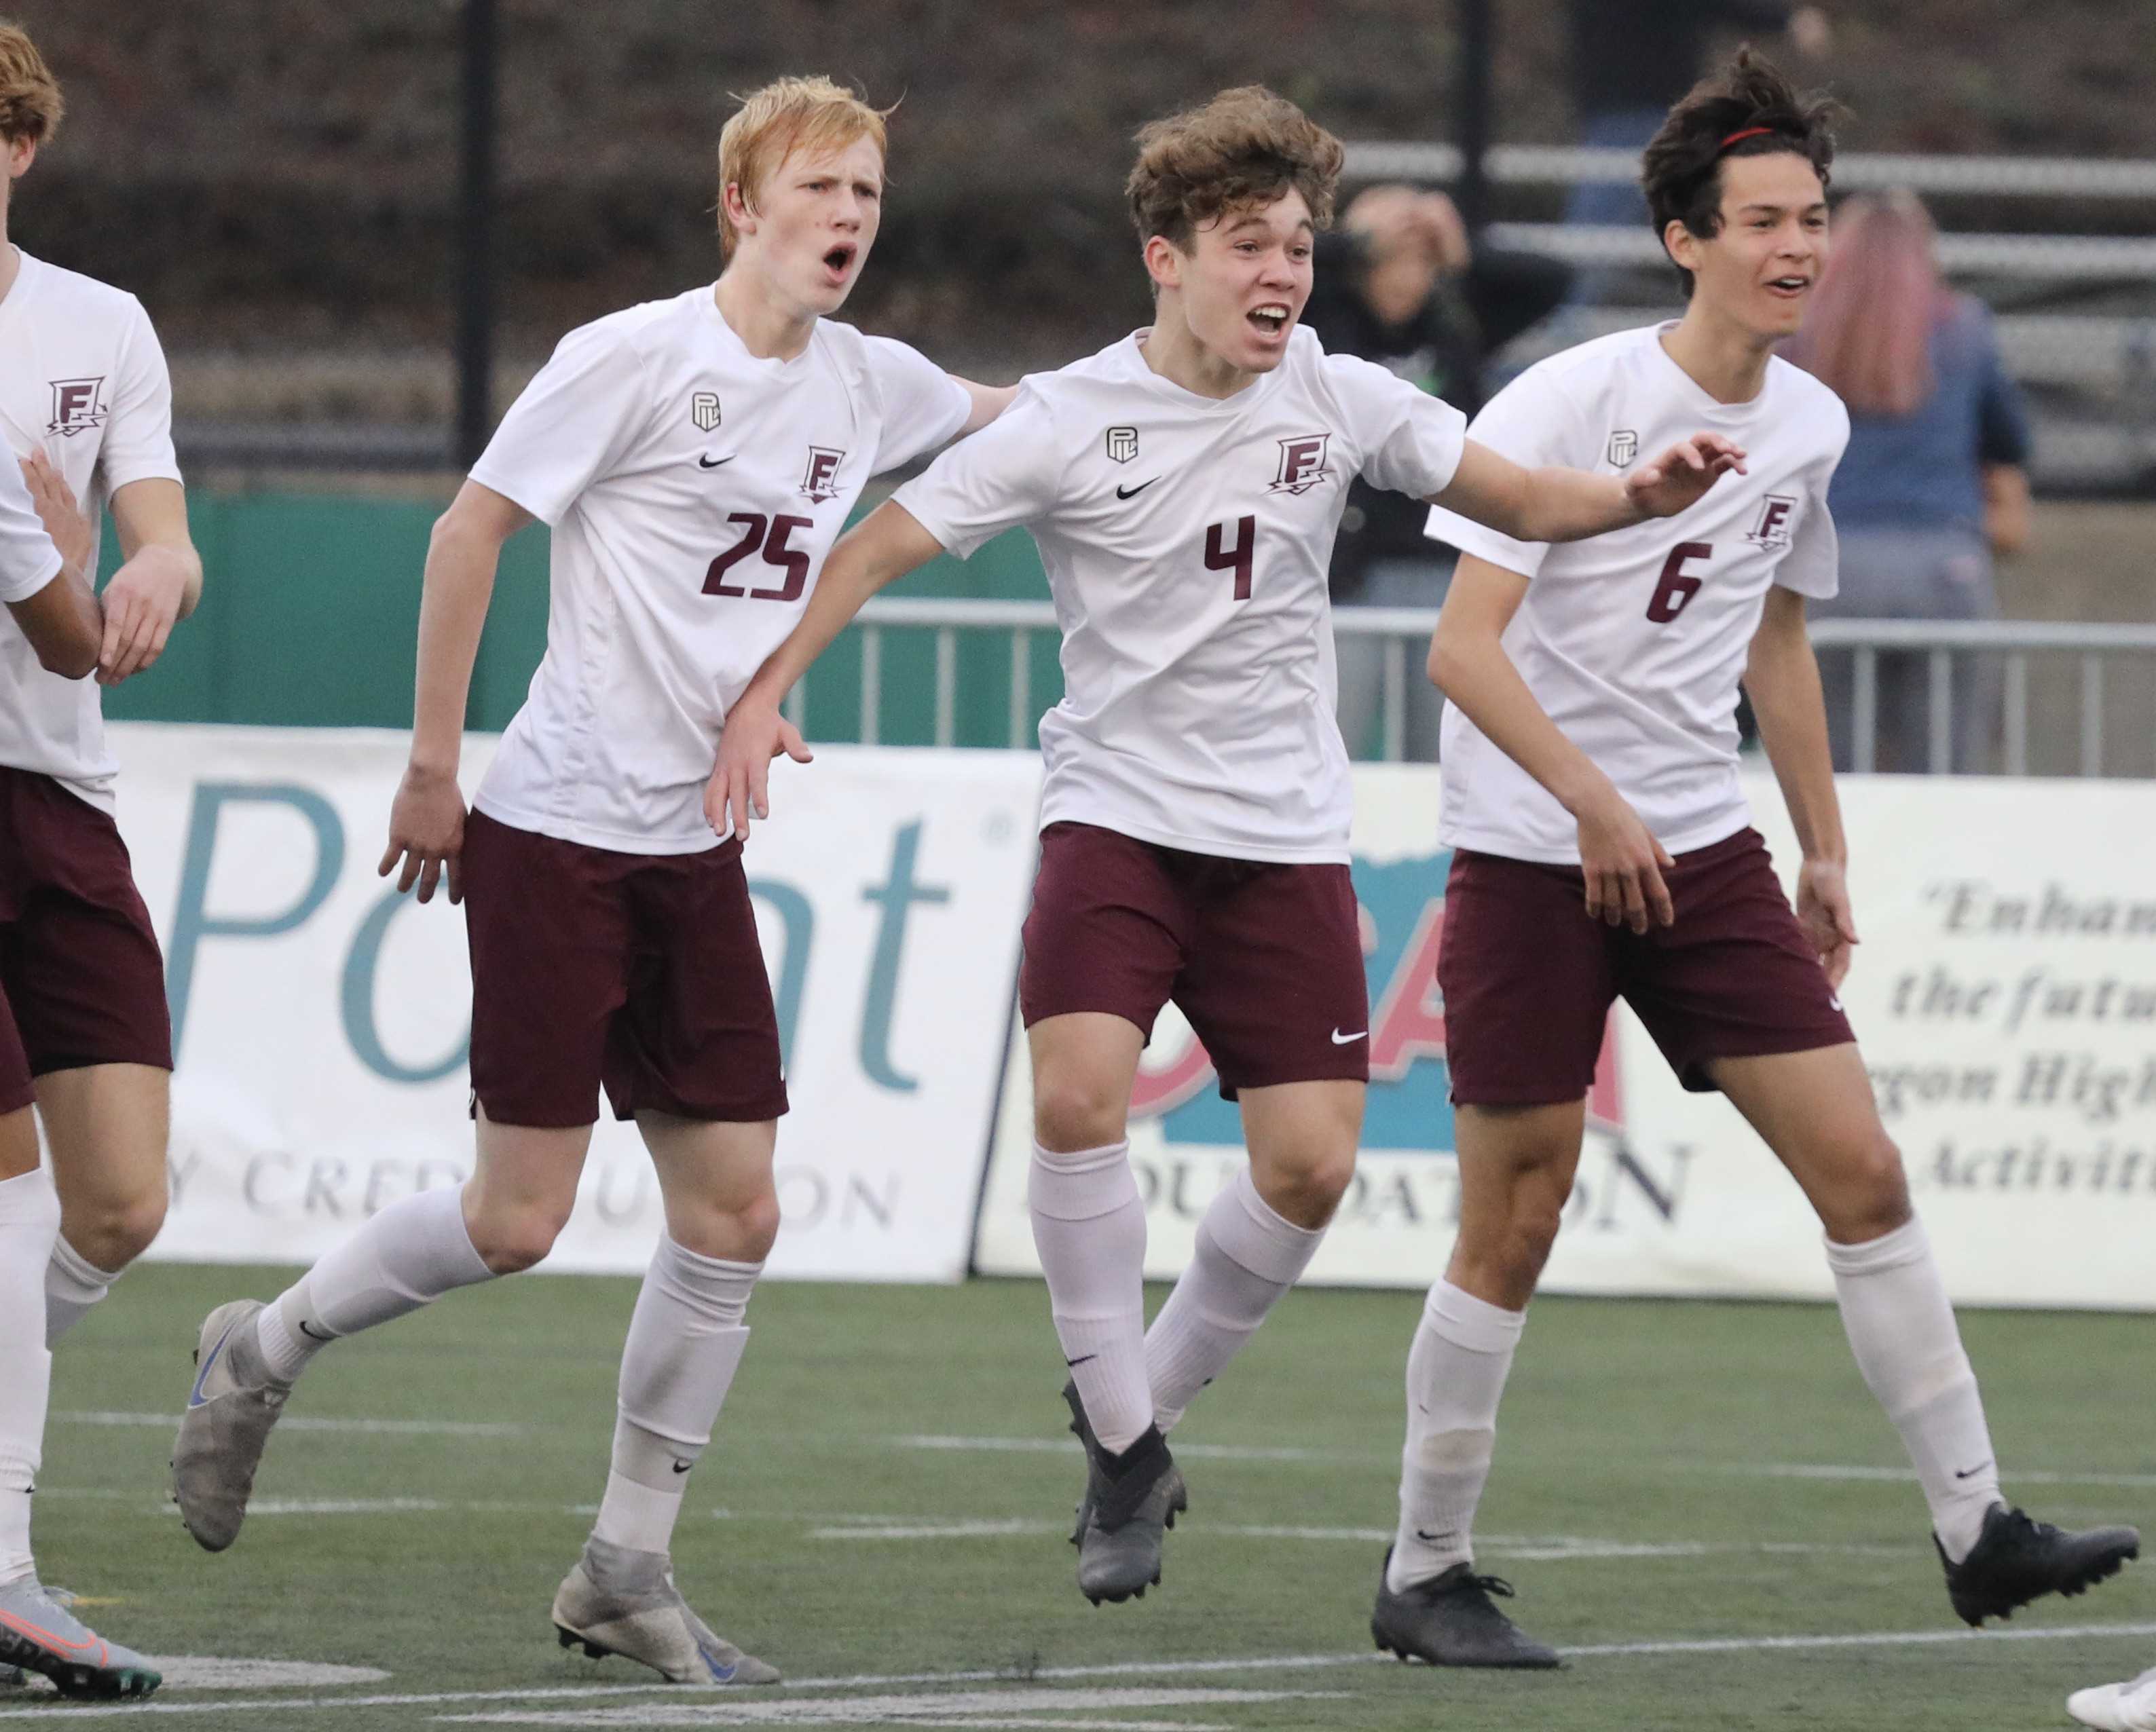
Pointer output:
x,y
1399,283
1935,478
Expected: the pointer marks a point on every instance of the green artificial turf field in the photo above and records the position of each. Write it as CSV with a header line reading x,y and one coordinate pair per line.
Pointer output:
x,y
885,1517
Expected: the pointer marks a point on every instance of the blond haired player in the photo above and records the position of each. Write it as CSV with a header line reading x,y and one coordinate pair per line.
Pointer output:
x,y
86,411
1184,486
1602,848
694,458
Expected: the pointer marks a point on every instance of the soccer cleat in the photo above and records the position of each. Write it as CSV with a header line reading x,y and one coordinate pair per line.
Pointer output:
x,y
2016,1560
2129,1707
39,1634
1450,1620
1130,1501
230,1410
619,1602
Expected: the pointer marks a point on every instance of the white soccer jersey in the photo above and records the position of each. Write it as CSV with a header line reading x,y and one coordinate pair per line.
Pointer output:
x,y
83,380
1634,642
693,491
1186,541
28,560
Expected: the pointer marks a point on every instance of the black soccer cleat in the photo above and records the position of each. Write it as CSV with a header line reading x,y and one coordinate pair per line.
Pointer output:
x,y
1451,1620
1130,1501
2016,1560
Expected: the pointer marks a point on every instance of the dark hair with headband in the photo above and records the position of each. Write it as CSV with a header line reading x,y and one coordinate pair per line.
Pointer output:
x,y
1749,109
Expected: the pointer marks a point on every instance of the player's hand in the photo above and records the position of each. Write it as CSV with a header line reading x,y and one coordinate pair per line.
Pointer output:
x,y
1623,865
426,833
1682,475
1823,910
740,787
142,605
62,519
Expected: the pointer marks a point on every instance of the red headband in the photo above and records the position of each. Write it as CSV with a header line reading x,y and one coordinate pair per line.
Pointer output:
x,y
1739,137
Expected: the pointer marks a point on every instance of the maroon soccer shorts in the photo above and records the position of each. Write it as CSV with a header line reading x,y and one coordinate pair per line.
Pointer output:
x,y
641,973
1266,960
81,979
1528,978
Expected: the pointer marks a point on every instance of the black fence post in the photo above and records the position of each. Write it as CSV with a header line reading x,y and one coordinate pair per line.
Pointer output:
x,y
474,251
1472,97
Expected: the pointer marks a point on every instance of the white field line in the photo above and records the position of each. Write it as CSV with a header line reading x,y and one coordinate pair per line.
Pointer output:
x,y
1195,1452
305,1422
1128,1668
2014,1476
999,1707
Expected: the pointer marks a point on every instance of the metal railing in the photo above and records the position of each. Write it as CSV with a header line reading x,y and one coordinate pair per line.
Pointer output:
x,y
2091,647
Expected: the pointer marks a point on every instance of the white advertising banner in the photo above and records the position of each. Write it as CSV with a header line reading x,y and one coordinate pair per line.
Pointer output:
x,y
2004,993
321,1020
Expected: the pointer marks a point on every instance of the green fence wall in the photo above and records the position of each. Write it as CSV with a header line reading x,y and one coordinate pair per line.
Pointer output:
x,y
311,607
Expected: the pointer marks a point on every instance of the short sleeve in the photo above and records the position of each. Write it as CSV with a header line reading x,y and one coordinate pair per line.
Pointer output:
x,y
1410,440
138,433
1527,422
571,426
1812,567
923,406
28,560
2002,419
1003,475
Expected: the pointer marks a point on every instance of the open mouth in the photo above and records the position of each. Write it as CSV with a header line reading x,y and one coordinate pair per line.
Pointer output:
x,y
839,260
1789,285
1270,318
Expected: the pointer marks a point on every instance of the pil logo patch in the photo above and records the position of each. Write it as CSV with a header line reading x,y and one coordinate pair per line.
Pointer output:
x,y
1777,522
1302,464
821,481
78,407
1624,447
704,410
1122,443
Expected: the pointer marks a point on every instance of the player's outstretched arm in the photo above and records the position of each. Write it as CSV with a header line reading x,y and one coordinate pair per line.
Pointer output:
x,y
427,822
64,624
1619,855
158,585
1561,504
60,617
880,548
1781,674
990,401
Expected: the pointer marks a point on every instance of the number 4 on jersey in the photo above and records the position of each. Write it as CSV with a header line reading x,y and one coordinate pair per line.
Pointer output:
x,y
1221,557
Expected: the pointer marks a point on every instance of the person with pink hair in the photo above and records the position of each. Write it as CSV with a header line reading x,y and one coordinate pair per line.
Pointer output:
x,y
1934,482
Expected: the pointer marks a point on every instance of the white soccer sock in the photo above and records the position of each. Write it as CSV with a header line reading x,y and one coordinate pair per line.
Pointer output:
x,y
29,1223
1089,1226
1456,1371
72,1284
685,1343
1247,1257
1901,1329
406,1257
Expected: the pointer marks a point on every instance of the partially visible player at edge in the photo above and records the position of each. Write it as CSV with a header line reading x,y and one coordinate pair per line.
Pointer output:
x,y
85,409
1185,486
696,458
1602,848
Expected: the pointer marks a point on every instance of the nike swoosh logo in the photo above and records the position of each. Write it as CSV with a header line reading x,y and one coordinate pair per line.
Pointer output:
x,y
311,1334
683,1467
712,462
1344,1040
719,1675
1432,1538
1132,492
195,1395
1081,1359
1972,1471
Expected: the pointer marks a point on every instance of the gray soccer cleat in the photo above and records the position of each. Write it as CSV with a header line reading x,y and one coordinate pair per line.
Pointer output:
x,y
1451,1620
619,1602
39,1634
1131,1500
230,1410
2128,1707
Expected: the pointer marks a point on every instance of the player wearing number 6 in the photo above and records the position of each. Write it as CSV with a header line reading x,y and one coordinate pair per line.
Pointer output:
x,y
695,458
1602,848
1183,486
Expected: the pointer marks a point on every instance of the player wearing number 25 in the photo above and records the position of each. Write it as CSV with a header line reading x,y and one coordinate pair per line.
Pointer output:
x,y
695,458
1185,486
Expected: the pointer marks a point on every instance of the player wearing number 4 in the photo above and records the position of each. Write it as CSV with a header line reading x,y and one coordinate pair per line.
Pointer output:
x,y
1602,848
1183,486
696,458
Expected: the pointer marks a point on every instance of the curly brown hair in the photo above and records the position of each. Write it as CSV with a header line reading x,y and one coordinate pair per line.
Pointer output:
x,y
1682,172
1246,147
30,105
